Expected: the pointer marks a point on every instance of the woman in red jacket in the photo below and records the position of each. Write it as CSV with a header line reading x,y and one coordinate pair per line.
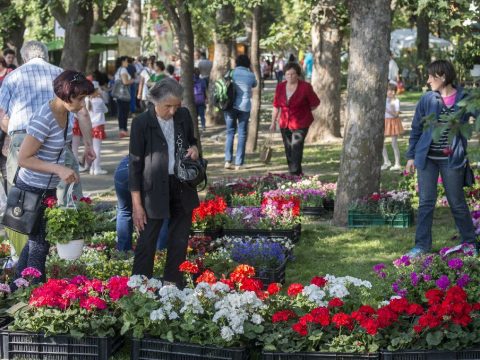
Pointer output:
x,y
293,103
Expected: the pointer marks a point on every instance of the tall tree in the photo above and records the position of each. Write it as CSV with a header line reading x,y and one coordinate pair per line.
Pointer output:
x,y
367,87
77,21
179,16
422,42
329,22
257,91
136,18
224,18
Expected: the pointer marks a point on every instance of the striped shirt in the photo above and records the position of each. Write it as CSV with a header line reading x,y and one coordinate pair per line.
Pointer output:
x,y
44,127
25,90
437,147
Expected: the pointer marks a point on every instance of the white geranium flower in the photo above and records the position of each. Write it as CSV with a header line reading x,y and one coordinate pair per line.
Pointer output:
x,y
226,333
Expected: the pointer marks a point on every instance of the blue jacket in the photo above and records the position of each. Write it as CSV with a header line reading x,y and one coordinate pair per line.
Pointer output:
x,y
420,138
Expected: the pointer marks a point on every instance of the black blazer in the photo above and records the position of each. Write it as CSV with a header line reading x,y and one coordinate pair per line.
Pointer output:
x,y
148,162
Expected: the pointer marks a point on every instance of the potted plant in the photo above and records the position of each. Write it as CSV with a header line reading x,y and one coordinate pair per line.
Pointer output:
x,y
208,218
69,227
210,320
75,311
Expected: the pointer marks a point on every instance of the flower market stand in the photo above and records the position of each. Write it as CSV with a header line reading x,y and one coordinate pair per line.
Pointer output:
x,y
431,355
154,348
27,345
317,356
359,219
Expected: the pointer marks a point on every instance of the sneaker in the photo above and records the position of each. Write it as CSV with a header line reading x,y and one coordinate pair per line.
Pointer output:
x,y
396,168
82,169
100,172
228,165
238,167
385,166
415,252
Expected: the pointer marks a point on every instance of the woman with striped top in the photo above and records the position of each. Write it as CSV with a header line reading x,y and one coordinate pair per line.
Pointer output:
x,y
48,131
431,157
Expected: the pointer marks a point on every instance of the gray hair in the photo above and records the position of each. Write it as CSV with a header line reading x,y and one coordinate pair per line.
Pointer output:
x,y
165,88
34,49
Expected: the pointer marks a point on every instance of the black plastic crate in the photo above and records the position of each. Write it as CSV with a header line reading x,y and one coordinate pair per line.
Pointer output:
x,y
213,233
26,345
269,276
313,210
317,356
292,234
359,219
469,354
329,205
158,349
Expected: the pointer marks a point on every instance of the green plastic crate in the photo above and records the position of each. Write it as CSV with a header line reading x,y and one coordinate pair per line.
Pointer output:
x,y
357,219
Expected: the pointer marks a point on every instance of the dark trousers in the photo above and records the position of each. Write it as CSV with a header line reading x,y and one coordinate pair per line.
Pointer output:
x,y
35,252
293,141
123,108
177,241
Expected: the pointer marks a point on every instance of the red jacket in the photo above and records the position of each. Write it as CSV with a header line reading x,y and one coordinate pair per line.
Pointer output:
x,y
297,113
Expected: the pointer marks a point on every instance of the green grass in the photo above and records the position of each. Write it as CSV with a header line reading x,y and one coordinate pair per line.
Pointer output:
x,y
410,96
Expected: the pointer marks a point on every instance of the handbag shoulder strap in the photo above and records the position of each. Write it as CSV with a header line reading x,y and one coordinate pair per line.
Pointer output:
x,y
65,132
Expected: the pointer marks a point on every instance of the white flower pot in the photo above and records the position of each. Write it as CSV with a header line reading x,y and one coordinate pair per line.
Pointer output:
x,y
71,250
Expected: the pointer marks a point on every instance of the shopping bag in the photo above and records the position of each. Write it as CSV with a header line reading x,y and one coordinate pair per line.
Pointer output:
x,y
266,150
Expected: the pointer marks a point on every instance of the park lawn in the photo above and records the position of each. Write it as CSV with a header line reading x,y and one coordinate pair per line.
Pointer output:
x,y
410,96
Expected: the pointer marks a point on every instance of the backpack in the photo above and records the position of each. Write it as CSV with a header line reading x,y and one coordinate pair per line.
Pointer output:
x,y
224,92
199,92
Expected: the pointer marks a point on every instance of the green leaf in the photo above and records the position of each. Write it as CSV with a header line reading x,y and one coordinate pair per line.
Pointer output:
x,y
434,338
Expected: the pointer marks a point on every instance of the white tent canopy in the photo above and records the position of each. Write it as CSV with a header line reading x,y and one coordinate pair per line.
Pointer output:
x,y
406,38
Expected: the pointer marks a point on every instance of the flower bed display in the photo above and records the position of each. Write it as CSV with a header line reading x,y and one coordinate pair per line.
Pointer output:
x,y
26,345
153,348
392,208
208,218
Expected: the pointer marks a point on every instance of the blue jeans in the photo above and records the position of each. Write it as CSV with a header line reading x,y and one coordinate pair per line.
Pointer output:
x,y
427,189
124,212
235,118
201,114
133,97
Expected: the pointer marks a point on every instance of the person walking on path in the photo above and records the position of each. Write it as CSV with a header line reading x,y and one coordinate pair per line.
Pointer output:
x,y
23,92
237,117
393,128
97,109
431,157
156,192
293,104
42,158
200,95
123,106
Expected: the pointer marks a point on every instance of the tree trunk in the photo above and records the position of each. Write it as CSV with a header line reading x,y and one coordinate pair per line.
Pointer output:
x,y
257,91
77,24
367,87
180,18
136,18
423,50
93,61
15,37
221,59
326,45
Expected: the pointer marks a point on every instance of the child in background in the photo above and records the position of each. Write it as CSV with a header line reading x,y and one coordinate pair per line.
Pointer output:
x,y
97,109
393,127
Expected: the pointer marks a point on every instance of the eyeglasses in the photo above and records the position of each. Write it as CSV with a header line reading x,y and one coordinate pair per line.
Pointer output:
x,y
78,77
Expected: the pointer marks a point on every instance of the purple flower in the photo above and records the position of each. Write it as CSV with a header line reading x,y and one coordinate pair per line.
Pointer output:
x,y
455,263
414,278
403,261
427,277
21,282
4,288
378,270
427,262
443,282
463,280
444,250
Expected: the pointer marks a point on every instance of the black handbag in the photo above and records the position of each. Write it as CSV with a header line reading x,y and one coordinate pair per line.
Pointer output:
x,y
25,207
469,176
120,91
187,170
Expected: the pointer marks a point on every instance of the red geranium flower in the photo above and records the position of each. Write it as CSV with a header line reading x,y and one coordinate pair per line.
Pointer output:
x,y
335,302
294,289
319,281
283,315
274,288
188,267
208,277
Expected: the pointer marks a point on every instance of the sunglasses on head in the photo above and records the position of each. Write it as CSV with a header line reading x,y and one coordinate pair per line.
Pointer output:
x,y
78,77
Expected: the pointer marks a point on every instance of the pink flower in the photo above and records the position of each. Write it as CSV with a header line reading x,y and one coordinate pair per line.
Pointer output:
x,y
31,272
21,282
4,288
92,303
